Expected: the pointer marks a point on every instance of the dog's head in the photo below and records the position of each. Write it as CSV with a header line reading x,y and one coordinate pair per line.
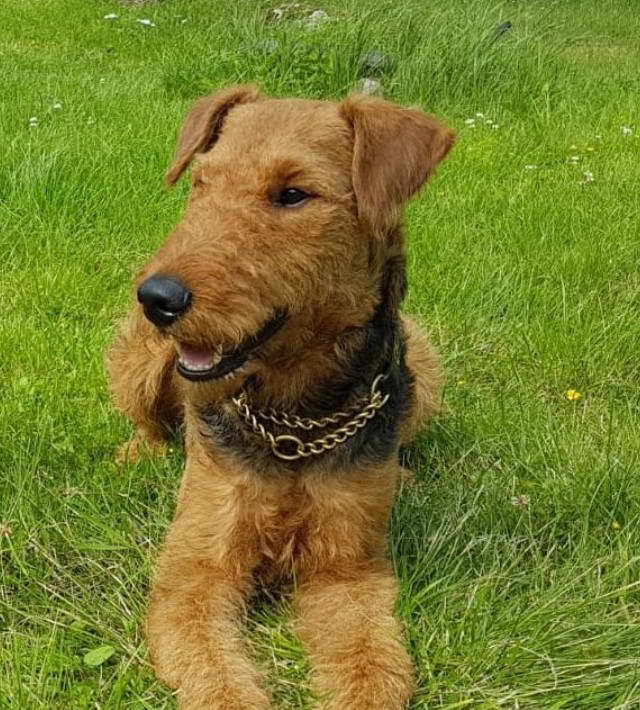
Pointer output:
x,y
294,209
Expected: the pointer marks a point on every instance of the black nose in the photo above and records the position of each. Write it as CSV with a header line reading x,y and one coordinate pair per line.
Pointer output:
x,y
164,299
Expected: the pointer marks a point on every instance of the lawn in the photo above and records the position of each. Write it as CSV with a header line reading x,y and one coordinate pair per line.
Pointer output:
x,y
518,546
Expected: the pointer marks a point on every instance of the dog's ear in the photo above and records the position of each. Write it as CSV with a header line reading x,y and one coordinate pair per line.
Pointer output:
x,y
203,124
395,151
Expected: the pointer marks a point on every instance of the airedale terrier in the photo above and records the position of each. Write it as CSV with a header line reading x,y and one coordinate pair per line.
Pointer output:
x,y
268,325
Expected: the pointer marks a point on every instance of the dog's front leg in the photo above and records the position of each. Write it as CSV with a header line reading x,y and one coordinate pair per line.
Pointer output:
x,y
194,618
140,365
354,640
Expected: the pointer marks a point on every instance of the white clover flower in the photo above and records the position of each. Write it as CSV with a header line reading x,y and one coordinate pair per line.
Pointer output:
x,y
147,23
530,167
489,122
479,115
57,106
573,147
573,159
626,130
469,121
111,16
588,176
33,119
495,126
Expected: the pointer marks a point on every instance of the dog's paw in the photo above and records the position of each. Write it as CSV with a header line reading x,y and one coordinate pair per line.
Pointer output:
x,y
138,447
407,477
380,680
223,697
366,699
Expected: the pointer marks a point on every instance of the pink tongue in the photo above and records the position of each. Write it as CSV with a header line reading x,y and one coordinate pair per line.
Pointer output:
x,y
193,357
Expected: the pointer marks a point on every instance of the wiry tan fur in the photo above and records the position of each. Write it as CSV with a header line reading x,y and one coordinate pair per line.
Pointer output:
x,y
241,257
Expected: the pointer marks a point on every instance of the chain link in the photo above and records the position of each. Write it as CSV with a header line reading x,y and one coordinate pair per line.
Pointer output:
x,y
361,412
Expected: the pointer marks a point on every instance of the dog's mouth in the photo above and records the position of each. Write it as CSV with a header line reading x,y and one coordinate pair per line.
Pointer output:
x,y
201,364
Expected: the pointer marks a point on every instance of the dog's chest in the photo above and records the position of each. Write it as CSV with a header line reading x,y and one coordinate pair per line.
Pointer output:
x,y
284,532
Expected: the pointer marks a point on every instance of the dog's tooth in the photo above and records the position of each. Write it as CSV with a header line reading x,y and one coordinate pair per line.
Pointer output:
x,y
194,367
217,358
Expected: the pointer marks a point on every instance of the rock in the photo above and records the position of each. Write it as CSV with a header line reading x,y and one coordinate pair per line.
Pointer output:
x,y
317,18
266,46
369,86
275,14
375,62
287,11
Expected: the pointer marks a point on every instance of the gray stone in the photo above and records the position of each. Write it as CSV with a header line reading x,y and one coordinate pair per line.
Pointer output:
x,y
266,46
369,86
375,62
288,11
317,18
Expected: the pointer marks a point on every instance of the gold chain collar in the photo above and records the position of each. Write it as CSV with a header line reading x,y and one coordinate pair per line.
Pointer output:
x,y
358,414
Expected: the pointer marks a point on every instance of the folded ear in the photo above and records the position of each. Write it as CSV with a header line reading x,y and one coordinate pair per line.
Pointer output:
x,y
203,124
395,151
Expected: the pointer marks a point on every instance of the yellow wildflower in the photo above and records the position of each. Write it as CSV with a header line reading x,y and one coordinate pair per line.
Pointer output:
x,y
572,395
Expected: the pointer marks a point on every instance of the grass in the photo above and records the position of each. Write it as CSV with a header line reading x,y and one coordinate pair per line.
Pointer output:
x,y
517,548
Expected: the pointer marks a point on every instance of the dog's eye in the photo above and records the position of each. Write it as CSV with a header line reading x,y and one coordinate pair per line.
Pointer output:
x,y
292,196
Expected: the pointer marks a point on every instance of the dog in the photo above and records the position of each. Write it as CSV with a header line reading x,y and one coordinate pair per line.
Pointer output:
x,y
268,327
